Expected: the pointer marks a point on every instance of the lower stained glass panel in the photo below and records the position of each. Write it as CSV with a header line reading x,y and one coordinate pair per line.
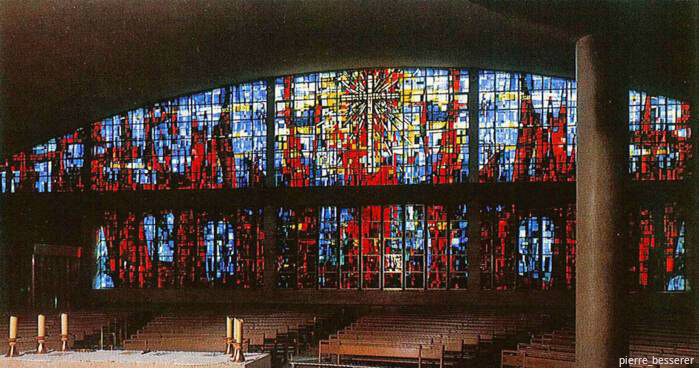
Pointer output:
x,y
527,249
437,247
371,247
180,249
659,261
409,246
458,247
415,246
349,248
328,248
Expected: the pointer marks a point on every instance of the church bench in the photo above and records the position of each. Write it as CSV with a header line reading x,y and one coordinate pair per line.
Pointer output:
x,y
564,348
533,358
483,336
451,345
557,349
383,352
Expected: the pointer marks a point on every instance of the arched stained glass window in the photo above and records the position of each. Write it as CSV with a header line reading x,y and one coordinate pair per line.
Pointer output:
x,y
378,126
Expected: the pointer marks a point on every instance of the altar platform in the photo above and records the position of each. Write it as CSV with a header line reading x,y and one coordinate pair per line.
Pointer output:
x,y
133,359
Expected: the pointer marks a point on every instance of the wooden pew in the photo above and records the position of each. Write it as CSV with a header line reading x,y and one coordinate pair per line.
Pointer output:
x,y
385,352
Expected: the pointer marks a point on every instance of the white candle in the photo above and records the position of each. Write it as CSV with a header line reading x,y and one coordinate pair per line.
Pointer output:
x,y
41,326
238,331
13,327
229,327
64,323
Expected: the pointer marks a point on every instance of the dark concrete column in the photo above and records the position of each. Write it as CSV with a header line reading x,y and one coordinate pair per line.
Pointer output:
x,y
692,229
601,216
691,211
269,217
474,205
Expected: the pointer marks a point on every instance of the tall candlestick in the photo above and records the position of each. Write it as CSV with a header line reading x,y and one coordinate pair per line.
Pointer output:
x,y
41,326
64,323
229,327
13,327
238,331
238,352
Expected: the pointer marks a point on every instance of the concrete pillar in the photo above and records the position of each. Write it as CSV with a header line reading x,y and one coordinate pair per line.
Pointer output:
x,y
269,221
601,215
692,236
691,211
474,221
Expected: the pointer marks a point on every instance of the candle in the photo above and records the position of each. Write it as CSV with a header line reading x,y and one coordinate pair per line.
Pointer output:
x,y
229,327
238,331
64,323
13,327
41,326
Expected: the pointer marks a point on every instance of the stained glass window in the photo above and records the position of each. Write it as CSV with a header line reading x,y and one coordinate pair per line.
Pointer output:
x,y
287,248
4,176
526,127
400,247
370,240
533,249
209,140
297,247
249,249
102,279
458,248
308,248
535,238
437,247
188,262
372,127
328,248
377,126
393,247
180,249
661,145
415,246
54,166
19,174
349,248
660,249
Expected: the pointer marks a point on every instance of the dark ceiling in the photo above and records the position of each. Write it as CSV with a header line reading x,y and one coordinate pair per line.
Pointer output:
x,y
66,63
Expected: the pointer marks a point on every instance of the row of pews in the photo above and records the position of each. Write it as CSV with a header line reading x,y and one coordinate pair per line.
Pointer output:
x,y
84,327
437,339
280,333
557,349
